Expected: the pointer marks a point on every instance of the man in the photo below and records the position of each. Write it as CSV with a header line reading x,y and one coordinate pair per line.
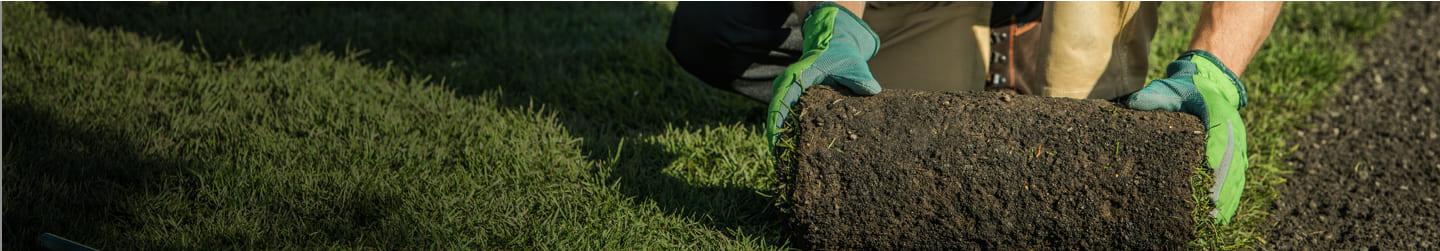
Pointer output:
x,y
772,52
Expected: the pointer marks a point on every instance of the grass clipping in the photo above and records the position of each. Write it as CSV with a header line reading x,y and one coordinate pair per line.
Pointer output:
x,y
915,169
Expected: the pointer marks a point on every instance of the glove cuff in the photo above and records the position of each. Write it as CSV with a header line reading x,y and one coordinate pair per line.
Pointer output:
x,y
1240,88
847,23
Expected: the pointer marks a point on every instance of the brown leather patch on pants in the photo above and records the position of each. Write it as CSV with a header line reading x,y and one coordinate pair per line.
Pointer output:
x,y
1015,50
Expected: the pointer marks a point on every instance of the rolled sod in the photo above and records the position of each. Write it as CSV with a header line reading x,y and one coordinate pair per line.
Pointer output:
x,y
920,170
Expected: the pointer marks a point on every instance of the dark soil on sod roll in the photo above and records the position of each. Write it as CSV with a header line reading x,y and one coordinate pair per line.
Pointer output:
x,y
933,170
1367,174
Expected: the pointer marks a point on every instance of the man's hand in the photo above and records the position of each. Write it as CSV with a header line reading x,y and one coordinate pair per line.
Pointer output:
x,y
1198,83
836,48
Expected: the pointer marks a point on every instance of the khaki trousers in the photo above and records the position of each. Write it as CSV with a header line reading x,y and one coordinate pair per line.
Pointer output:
x,y
1094,50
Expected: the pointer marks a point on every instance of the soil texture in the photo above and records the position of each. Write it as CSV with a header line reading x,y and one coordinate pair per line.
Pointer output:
x,y
1367,175
992,170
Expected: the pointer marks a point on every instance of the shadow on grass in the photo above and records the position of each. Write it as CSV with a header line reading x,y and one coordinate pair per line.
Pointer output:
x,y
86,177
721,207
91,184
601,67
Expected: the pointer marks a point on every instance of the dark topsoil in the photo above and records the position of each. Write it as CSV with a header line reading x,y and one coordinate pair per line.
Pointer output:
x,y
911,169
1367,172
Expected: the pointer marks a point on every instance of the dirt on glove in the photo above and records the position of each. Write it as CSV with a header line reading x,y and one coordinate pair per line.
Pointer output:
x,y
934,170
1367,168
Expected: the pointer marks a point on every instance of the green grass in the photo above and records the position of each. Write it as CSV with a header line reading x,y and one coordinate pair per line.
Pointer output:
x,y
418,126
188,125
1311,50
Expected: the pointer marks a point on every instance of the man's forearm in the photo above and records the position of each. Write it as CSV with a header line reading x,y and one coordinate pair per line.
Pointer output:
x,y
1234,31
802,8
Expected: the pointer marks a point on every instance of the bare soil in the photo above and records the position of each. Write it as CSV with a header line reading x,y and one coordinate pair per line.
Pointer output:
x,y
1367,173
932,170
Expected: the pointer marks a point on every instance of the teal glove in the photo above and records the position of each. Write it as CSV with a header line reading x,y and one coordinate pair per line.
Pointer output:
x,y
1199,84
837,45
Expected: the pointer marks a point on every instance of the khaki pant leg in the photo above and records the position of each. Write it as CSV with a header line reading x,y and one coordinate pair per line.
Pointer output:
x,y
931,46
1096,50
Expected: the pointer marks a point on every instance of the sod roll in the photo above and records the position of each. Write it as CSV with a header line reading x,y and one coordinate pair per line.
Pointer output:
x,y
922,170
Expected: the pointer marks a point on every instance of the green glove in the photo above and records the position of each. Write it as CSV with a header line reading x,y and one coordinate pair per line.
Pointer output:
x,y
837,45
1199,84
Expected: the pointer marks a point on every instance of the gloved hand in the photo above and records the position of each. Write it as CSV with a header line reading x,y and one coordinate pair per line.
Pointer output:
x,y
1198,83
837,44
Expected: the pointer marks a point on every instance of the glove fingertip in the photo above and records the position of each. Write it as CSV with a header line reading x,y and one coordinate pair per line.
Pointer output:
x,y
866,87
858,81
1148,102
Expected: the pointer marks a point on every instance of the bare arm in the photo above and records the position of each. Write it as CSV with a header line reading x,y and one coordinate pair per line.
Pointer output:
x,y
802,8
1234,31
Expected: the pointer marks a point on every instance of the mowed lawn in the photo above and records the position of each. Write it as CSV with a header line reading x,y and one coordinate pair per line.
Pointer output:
x,y
451,125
